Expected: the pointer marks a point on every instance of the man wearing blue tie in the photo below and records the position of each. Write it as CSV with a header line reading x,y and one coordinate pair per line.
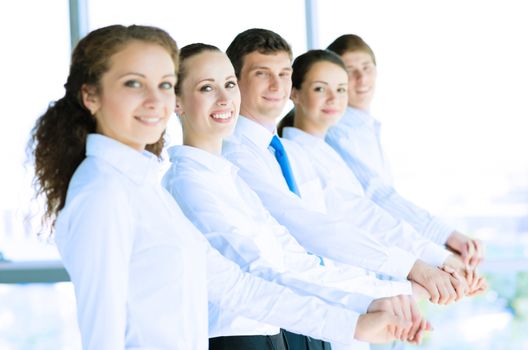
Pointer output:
x,y
262,62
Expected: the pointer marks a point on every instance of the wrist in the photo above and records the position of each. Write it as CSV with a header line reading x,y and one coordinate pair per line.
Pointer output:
x,y
455,241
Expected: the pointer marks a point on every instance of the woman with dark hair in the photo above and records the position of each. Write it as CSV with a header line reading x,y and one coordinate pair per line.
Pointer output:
x,y
356,137
142,273
319,94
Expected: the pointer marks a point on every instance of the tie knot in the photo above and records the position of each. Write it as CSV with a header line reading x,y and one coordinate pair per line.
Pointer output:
x,y
276,144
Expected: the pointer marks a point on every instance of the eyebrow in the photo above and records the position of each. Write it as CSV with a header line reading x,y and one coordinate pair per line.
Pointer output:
x,y
324,82
207,79
144,76
212,80
268,68
364,63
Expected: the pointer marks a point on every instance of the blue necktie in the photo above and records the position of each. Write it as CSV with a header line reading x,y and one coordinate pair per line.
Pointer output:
x,y
284,163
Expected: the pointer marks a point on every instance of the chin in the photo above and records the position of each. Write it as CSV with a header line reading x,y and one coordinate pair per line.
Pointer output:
x,y
153,139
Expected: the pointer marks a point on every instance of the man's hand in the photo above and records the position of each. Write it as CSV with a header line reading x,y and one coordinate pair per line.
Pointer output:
x,y
443,287
476,284
479,286
471,250
455,262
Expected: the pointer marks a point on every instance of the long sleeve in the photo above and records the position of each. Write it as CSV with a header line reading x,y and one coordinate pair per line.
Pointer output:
x,y
95,243
271,303
258,244
385,227
327,235
385,195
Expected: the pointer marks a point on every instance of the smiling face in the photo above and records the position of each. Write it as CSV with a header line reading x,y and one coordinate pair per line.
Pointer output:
x,y
322,98
135,97
362,74
209,100
265,86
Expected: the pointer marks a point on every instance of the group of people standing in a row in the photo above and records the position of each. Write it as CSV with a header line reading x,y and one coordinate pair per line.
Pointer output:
x,y
251,240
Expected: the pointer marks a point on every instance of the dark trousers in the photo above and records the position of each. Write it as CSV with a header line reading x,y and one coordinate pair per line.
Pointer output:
x,y
248,342
302,342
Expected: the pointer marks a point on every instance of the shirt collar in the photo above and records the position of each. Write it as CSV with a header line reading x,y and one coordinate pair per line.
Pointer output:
x,y
140,167
211,161
253,131
354,116
301,137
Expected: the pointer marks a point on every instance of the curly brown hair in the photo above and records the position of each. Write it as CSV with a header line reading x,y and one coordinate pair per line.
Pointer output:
x,y
58,139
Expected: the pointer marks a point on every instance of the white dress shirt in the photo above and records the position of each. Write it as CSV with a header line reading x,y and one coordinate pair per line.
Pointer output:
x,y
233,219
343,192
142,273
329,234
356,139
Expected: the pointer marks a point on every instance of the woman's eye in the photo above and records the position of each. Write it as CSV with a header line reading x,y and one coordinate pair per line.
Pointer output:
x,y
319,89
166,86
341,90
132,83
206,88
230,84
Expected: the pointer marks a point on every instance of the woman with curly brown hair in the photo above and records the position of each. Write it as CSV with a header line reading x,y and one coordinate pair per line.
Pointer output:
x,y
99,185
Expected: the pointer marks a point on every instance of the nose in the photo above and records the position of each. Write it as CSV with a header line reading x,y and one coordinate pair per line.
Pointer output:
x,y
152,98
330,95
360,76
222,98
274,82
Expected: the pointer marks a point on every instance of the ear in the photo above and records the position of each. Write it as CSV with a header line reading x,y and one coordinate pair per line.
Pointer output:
x,y
90,98
294,96
179,108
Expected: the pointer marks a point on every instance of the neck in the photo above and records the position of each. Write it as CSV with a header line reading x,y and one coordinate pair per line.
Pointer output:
x,y
365,108
265,121
209,144
315,130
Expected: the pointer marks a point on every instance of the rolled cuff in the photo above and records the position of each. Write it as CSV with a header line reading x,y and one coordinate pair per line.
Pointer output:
x,y
398,264
438,231
435,255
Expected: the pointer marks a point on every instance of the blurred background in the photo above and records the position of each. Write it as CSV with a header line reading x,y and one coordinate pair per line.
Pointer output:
x,y
451,96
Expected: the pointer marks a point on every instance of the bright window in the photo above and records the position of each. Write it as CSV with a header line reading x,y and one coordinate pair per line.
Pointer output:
x,y
35,58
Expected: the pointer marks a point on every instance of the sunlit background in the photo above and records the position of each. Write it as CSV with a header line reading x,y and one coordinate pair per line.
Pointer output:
x,y
451,97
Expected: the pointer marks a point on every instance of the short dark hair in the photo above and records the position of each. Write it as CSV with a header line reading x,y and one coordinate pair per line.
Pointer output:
x,y
349,43
256,39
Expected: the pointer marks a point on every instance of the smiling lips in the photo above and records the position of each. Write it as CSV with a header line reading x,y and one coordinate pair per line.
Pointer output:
x,y
273,99
329,110
150,121
222,117
363,90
